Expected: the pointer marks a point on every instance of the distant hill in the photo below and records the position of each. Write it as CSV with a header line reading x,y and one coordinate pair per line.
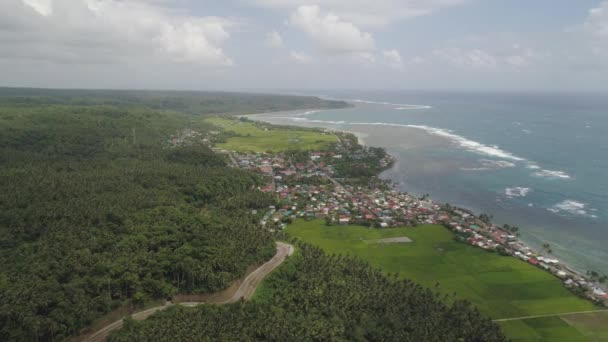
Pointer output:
x,y
193,102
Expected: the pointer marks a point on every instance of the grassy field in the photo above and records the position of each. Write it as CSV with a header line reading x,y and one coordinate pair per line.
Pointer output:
x,y
571,328
254,139
501,287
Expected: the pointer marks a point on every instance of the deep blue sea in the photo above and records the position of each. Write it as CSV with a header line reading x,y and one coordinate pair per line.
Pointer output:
x,y
536,160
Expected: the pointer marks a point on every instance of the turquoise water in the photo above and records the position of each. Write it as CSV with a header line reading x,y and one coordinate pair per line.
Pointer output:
x,y
539,161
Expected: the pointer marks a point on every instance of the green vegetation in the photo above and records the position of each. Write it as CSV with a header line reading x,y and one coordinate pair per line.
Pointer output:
x,y
192,102
542,329
255,137
323,298
99,210
580,327
592,325
499,286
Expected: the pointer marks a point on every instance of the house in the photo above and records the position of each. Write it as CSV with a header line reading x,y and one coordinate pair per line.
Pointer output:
x,y
599,292
344,220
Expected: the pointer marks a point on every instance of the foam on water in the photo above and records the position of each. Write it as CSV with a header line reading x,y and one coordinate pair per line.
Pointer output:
x,y
497,164
487,164
400,106
550,174
309,112
573,208
413,107
471,145
518,191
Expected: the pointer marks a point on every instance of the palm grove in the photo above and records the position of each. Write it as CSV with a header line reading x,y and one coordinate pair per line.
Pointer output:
x,y
99,211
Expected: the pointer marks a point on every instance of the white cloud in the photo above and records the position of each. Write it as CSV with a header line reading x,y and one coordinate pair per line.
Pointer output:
x,y
195,41
522,57
393,58
93,31
368,14
417,60
43,7
330,32
274,39
300,57
517,61
597,22
482,59
475,58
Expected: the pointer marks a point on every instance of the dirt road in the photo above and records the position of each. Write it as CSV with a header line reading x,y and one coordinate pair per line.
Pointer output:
x,y
245,291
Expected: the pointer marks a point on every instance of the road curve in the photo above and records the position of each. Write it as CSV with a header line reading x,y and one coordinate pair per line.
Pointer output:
x,y
245,291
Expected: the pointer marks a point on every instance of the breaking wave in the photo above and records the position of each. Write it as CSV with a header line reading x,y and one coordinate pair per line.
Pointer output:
x,y
493,151
487,164
400,106
518,191
550,174
572,207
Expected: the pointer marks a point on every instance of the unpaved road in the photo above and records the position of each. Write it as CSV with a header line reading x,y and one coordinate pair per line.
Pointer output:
x,y
245,291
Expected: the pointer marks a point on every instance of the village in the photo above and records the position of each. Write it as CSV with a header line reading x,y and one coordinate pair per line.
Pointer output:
x,y
309,187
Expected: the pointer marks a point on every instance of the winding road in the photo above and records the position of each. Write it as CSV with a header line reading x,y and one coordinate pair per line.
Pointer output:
x,y
244,291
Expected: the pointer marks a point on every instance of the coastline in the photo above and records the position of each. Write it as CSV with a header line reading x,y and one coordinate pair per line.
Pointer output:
x,y
416,139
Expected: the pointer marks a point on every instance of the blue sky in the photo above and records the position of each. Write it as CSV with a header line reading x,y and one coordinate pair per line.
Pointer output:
x,y
554,45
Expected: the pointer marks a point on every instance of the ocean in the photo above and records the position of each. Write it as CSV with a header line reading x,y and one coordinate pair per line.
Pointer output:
x,y
535,160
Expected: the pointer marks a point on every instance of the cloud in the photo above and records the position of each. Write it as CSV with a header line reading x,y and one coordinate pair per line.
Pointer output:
x,y
483,59
378,13
44,7
274,39
330,32
475,58
393,58
106,31
597,21
300,57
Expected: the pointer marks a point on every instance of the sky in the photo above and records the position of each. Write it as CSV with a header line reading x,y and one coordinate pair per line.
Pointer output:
x,y
512,45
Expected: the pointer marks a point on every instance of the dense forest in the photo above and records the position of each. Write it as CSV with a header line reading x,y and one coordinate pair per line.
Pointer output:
x,y
315,297
99,210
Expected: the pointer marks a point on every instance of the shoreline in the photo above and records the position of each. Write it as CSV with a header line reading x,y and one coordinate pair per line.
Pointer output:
x,y
418,137
362,136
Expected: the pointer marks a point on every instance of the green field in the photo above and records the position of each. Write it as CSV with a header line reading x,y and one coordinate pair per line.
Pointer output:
x,y
252,138
571,328
501,287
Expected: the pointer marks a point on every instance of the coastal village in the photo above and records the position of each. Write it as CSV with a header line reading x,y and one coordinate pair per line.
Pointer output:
x,y
310,187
